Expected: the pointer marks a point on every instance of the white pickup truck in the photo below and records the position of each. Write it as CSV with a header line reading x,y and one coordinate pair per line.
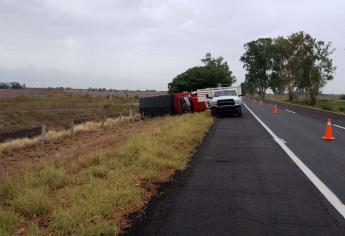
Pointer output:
x,y
226,101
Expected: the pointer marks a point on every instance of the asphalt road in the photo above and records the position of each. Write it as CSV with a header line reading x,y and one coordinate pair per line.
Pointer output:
x,y
302,129
241,182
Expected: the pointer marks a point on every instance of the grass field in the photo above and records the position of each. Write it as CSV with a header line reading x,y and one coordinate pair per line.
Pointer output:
x,y
92,194
56,108
328,103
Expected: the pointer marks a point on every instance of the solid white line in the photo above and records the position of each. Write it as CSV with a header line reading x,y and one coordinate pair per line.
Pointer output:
x,y
283,140
291,111
325,191
341,127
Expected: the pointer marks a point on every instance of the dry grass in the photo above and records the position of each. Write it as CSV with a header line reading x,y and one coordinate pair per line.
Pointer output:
x,y
54,136
57,109
91,195
18,144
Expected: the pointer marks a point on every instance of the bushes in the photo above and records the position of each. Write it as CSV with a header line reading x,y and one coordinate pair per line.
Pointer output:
x,y
342,97
327,107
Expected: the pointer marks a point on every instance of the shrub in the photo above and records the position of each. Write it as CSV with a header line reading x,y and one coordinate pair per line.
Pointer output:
x,y
342,97
342,109
327,107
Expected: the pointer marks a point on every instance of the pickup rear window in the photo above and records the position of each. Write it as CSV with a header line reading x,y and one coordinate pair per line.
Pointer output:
x,y
225,93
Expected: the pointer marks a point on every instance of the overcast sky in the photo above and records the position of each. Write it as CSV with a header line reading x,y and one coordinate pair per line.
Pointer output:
x,y
139,44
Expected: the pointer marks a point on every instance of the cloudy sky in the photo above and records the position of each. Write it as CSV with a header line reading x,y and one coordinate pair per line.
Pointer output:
x,y
139,44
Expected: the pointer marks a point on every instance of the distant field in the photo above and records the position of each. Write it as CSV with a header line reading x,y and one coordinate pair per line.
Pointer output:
x,y
38,92
25,108
328,103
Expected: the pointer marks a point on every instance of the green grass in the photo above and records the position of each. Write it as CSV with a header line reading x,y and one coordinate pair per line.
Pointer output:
x,y
326,103
326,106
91,195
32,202
99,172
8,221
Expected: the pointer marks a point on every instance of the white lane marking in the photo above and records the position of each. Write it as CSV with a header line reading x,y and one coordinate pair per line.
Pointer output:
x,y
325,191
290,111
341,127
283,140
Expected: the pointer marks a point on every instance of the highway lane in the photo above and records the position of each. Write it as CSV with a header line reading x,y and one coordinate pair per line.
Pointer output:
x,y
241,182
301,129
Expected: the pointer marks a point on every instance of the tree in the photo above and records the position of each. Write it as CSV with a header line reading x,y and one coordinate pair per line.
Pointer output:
x,y
311,66
297,63
249,86
4,85
12,85
16,85
259,63
214,71
281,79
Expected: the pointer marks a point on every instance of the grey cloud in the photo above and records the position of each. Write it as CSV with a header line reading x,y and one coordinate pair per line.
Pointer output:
x,y
145,43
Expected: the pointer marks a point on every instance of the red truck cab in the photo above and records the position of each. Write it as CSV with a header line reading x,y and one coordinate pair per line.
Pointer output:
x,y
185,102
182,103
196,105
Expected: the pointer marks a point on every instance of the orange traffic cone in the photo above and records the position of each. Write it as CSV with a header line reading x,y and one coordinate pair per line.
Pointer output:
x,y
328,134
275,109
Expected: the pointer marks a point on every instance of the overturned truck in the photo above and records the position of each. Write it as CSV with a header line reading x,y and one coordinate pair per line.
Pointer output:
x,y
177,103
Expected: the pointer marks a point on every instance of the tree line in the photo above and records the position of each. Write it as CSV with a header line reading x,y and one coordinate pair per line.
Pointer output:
x,y
287,65
11,85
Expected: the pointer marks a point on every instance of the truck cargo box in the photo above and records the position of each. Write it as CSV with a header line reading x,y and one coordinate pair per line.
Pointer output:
x,y
157,105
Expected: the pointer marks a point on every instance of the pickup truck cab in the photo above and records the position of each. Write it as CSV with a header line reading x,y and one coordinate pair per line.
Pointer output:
x,y
226,101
